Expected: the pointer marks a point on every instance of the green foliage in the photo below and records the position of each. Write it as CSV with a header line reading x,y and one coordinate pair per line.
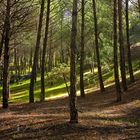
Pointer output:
x,y
135,33
90,79
57,74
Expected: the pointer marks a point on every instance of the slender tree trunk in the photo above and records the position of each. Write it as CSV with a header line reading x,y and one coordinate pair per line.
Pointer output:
x,y
44,53
2,42
5,90
82,92
15,60
128,44
62,50
97,48
50,55
40,55
121,42
21,64
31,58
25,63
18,69
116,73
72,96
67,87
35,60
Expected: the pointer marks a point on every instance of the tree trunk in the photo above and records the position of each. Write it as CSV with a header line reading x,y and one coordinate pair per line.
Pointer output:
x,y
62,50
116,73
82,92
97,48
15,61
40,55
128,44
2,42
44,53
35,61
72,97
50,53
5,90
122,55
31,58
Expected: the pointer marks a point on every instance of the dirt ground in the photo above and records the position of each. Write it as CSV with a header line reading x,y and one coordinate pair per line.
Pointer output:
x,y
100,118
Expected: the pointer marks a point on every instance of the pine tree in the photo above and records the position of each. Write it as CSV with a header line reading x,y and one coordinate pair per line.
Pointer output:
x,y
72,96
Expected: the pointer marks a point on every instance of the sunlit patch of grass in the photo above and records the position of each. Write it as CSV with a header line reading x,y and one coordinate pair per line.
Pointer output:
x,y
137,72
89,72
21,94
52,91
108,77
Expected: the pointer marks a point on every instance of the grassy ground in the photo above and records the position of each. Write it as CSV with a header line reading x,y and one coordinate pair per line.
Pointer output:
x,y
19,93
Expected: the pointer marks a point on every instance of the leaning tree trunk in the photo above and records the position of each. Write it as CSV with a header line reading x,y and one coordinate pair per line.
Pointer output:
x,y
5,91
97,48
44,53
116,73
72,96
82,92
121,43
128,44
35,60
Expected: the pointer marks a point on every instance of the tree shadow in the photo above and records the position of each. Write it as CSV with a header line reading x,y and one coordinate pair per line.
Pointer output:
x,y
64,130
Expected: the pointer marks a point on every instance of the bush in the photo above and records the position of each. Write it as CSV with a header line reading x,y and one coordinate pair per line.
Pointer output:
x,y
57,74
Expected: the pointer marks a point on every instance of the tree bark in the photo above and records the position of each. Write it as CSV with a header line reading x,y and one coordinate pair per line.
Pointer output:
x,y
35,60
72,96
97,48
2,42
50,53
5,91
128,44
116,73
31,58
82,92
44,53
62,50
121,43
15,60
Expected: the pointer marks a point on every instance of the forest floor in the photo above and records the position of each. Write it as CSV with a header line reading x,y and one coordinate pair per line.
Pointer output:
x,y
100,118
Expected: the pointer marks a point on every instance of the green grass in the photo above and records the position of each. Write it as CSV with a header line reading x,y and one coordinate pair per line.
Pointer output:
x,y
19,93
